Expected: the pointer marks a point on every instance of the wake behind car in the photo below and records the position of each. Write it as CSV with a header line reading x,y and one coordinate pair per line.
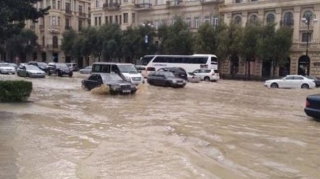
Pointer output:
x,y
291,81
165,78
116,84
59,69
30,71
312,107
6,68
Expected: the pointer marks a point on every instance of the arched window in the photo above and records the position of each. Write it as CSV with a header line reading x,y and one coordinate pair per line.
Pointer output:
x,y
253,19
288,19
307,14
43,41
237,20
271,18
55,42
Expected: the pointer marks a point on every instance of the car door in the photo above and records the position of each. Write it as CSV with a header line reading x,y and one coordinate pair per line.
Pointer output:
x,y
91,82
297,82
22,71
287,82
197,73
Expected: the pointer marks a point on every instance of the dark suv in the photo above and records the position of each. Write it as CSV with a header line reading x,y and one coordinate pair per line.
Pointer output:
x,y
59,69
177,72
42,65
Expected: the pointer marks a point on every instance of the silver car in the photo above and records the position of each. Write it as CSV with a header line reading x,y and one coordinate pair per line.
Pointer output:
x,y
6,68
86,70
30,71
192,78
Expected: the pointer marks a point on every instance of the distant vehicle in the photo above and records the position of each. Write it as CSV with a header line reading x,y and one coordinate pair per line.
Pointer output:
x,y
59,69
291,81
73,66
192,78
42,65
187,62
125,70
312,107
6,68
14,65
316,80
165,78
207,74
177,72
30,71
145,70
86,70
114,81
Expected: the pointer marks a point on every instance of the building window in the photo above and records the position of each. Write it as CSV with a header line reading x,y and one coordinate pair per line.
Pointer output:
x,y
80,25
97,3
156,24
58,21
188,21
133,18
120,17
67,23
125,18
196,22
110,19
99,21
53,4
116,19
271,18
53,20
237,20
207,19
68,9
59,5
107,20
80,9
306,37
238,1
43,41
55,42
253,19
288,19
215,21
95,21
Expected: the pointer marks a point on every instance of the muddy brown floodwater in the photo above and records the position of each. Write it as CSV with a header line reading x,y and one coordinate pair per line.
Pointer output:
x,y
227,130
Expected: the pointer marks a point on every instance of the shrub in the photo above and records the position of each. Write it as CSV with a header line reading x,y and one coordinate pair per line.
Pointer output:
x,y
15,91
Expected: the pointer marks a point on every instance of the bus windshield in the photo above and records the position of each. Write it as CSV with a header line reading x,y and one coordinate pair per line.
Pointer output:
x,y
146,60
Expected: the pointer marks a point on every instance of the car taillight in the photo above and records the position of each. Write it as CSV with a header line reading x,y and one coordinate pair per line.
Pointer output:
x,y
308,104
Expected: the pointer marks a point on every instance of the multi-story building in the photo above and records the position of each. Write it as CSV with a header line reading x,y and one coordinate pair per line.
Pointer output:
x,y
301,15
155,12
63,15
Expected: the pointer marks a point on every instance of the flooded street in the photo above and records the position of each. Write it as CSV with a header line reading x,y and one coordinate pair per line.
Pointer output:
x,y
227,130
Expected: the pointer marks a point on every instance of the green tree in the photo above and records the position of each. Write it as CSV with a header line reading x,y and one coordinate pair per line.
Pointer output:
x,y
69,38
275,45
206,39
23,44
177,39
130,41
110,40
77,47
14,13
89,42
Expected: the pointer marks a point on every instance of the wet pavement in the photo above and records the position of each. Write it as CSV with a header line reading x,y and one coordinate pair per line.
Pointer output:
x,y
227,130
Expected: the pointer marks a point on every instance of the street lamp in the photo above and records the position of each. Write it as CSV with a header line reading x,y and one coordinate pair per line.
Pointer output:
x,y
306,19
146,37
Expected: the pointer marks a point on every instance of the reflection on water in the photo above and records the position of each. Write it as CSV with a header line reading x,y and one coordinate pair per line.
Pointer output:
x,y
229,129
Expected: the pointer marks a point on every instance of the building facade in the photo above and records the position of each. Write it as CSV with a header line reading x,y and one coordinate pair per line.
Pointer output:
x,y
305,54
154,12
63,15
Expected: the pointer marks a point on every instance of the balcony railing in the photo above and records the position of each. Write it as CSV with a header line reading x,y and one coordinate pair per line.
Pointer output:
x,y
82,14
68,12
53,47
54,29
210,1
143,6
111,6
304,27
174,3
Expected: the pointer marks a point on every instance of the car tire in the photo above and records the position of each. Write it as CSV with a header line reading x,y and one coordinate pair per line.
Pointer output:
x,y
305,86
59,73
167,84
207,79
27,75
274,85
70,75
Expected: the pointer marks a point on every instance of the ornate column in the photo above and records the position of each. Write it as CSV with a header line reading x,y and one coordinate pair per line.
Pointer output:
x,y
278,16
296,25
244,18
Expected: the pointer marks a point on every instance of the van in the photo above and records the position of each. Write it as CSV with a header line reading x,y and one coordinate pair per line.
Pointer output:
x,y
125,70
145,70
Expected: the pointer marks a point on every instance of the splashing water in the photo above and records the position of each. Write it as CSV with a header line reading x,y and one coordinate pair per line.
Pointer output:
x,y
101,90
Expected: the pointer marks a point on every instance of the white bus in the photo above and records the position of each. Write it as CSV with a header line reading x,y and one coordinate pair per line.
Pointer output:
x,y
187,62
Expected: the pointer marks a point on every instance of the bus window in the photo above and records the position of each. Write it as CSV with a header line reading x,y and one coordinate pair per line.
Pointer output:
x,y
214,60
163,59
202,60
146,60
151,69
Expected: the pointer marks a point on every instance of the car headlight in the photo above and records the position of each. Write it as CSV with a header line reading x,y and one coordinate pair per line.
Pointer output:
x,y
174,81
114,87
128,78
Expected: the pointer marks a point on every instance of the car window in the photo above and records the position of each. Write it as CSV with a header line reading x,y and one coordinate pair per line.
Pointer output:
x,y
196,71
207,71
151,69
93,77
289,78
216,71
298,78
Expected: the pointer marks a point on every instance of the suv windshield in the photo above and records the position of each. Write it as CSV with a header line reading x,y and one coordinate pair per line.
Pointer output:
x,y
31,67
112,77
127,69
42,64
168,74
61,65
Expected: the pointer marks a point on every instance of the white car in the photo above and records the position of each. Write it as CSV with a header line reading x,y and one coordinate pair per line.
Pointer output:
x,y
207,74
291,81
6,68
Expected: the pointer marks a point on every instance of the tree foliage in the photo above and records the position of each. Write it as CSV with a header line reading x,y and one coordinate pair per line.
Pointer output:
x,y
14,13
68,40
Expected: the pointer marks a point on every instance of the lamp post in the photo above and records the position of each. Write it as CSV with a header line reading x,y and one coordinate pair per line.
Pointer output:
x,y
307,19
146,37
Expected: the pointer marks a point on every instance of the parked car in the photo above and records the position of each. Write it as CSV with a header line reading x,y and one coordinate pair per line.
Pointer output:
x,y
207,74
192,78
42,65
117,84
312,107
73,66
176,71
6,68
291,81
315,79
30,71
86,70
14,65
59,69
145,71
165,78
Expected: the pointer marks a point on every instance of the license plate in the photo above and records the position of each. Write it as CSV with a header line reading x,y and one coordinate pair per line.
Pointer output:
x,y
180,83
126,91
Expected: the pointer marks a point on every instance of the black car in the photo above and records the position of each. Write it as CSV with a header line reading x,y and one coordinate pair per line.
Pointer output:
x,y
42,65
59,69
177,72
312,108
316,80
165,78
117,84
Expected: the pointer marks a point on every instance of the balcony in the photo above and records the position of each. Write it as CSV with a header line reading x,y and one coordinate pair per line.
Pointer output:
x,y
143,5
67,28
68,12
52,48
302,46
111,6
174,3
304,27
54,29
82,15
210,1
